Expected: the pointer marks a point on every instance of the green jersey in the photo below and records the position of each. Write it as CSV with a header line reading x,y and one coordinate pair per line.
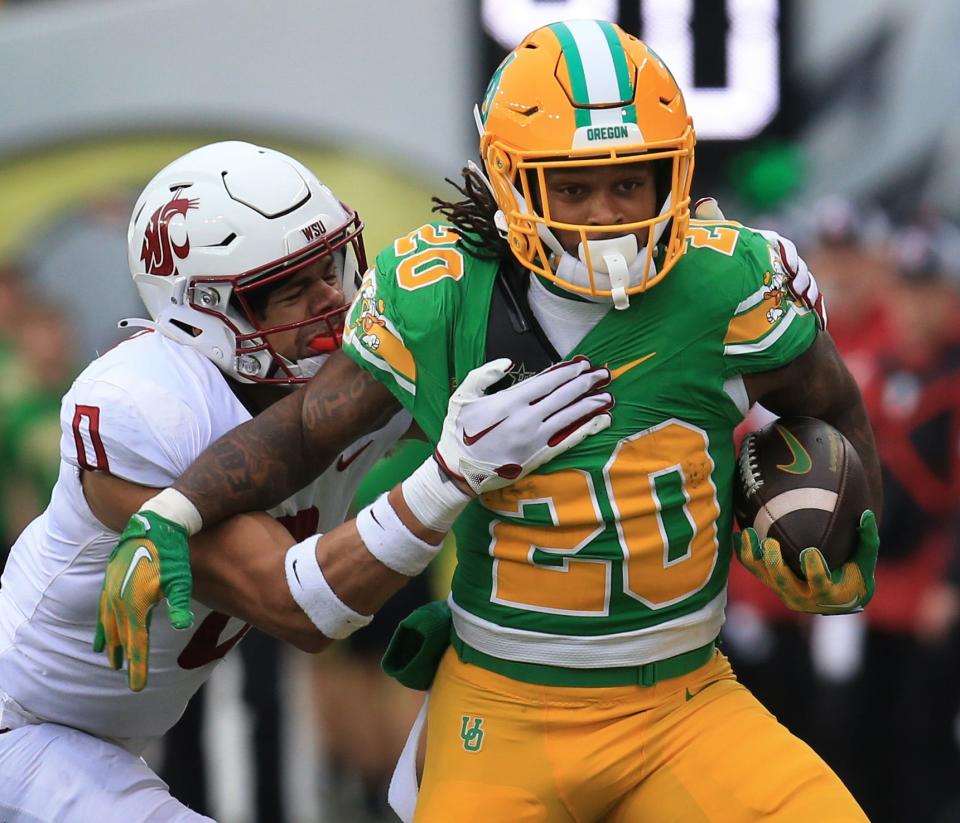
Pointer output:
x,y
616,553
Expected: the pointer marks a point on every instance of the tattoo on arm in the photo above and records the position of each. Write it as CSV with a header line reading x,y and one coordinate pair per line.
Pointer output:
x,y
264,461
818,384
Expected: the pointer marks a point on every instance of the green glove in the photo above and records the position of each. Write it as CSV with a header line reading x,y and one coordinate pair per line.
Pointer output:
x,y
848,589
151,561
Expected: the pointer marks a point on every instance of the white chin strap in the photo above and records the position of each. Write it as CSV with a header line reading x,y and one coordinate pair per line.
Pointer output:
x,y
307,367
618,264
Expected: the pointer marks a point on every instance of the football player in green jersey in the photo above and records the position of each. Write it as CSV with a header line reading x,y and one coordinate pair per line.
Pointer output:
x,y
582,681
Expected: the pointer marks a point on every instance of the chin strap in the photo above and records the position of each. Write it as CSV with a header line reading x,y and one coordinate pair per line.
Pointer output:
x,y
617,264
610,256
619,279
308,366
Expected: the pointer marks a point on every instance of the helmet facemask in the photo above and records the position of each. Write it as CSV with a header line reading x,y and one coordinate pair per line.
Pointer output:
x,y
245,296
610,261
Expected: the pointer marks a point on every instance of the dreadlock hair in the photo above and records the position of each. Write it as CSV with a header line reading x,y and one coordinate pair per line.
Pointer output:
x,y
473,215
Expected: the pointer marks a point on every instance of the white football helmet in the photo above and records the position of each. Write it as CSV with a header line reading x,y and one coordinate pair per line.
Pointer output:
x,y
228,218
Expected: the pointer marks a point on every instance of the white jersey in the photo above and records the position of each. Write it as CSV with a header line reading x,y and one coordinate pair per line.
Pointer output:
x,y
143,412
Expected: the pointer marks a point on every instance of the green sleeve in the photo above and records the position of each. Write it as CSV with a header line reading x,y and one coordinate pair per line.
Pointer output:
x,y
408,323
768,327
374,336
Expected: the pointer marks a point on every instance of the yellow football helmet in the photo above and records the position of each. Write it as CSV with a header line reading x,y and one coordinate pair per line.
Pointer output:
x,y
585,92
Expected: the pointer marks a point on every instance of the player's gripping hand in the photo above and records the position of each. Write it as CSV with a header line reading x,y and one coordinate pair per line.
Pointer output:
x,y
820,591
491,441
800,281
151,561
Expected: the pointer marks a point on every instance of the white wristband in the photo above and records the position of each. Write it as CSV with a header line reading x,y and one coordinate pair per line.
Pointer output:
x,y
391,542
175,506
433,497
313,593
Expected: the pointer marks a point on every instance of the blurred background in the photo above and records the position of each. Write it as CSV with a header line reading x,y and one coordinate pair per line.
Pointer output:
x,y
836,124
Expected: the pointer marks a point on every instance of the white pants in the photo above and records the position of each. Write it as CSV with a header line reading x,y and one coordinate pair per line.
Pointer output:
x,y
54,774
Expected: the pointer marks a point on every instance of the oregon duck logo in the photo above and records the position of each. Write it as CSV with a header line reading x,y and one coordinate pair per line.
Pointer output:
x,y
776,293
371,315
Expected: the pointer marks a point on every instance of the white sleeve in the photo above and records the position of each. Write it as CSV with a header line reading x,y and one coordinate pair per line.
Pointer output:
x,y
139,433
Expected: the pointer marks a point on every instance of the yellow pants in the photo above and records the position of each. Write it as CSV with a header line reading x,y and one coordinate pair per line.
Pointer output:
x,y
694,748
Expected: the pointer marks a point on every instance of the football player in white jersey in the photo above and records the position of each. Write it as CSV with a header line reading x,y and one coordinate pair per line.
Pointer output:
x,y
246,264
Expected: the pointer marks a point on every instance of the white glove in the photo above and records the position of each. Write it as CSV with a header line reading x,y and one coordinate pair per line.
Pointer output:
x,y
800,282
490,441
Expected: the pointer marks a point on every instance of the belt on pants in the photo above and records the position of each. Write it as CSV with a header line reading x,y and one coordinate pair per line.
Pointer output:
x,y
645,674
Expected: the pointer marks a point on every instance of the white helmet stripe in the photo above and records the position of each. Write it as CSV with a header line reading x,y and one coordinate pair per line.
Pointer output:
x,y
599,71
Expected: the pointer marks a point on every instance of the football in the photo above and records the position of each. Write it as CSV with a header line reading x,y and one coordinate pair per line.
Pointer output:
x,y
801,482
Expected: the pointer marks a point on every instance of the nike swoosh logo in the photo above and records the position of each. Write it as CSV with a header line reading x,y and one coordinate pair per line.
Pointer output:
x,y
344,462
801,463
621,370
138,555
295,571
691,695
470,439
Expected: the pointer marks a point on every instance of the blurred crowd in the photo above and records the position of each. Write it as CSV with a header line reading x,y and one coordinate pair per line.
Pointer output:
x,y
36,367
877,694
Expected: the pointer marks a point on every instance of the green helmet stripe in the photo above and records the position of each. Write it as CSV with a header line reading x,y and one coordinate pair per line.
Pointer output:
x,y
624,81
599,72
578,82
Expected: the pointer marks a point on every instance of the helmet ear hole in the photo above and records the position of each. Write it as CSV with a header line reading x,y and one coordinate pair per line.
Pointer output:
x,y
193,331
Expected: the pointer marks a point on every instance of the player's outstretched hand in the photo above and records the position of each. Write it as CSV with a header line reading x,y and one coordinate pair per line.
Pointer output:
x,y
820,591
151,561
492,440
800,281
